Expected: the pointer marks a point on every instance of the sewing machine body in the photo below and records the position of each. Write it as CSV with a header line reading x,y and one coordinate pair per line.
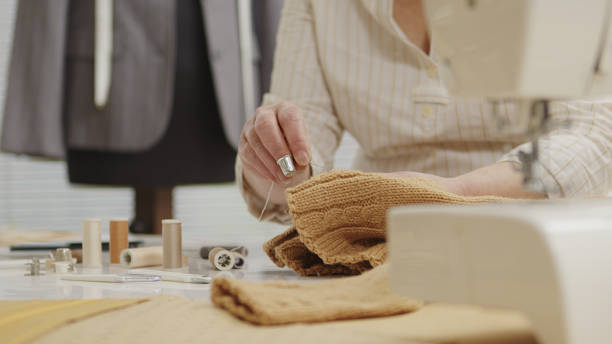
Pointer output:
x,y
550,260
523,49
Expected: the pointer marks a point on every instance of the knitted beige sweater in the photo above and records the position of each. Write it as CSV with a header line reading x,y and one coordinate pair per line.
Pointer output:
x,y
339,220
339,228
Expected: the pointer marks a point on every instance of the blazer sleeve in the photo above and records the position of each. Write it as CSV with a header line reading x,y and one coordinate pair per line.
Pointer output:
x,y
34,95
298,78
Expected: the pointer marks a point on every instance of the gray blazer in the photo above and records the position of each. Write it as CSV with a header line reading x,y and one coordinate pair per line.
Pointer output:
x,y
39,121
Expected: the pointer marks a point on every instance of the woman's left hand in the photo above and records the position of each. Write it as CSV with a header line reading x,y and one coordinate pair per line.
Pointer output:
x,y
452,185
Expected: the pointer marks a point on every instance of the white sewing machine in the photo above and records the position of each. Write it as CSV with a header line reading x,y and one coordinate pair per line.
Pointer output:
x,y
551,260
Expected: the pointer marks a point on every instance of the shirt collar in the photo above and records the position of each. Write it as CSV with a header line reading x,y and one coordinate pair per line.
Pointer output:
x,y
382,11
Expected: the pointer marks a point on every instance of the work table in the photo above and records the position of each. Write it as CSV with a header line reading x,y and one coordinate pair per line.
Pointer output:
x,y
14,285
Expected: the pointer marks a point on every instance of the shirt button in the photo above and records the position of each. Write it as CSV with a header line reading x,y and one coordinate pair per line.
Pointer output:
x,y
427,111
432,71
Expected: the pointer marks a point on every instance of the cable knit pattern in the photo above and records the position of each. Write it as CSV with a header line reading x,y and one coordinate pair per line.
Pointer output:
x,y
275,303
339,220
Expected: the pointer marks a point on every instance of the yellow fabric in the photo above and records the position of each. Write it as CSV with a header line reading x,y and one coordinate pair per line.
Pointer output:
x,y
339,220
24,321
169,319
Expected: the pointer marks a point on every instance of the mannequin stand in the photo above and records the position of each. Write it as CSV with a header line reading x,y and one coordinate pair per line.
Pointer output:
x,y
151,205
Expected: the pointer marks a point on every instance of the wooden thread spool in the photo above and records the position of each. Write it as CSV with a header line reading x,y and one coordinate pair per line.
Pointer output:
x,y
92,243
172,244
118,229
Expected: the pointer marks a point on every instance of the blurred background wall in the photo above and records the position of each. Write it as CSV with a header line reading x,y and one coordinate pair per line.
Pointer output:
x,y
35,194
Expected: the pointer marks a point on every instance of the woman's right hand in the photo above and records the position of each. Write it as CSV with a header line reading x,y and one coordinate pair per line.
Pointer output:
x,y
275,131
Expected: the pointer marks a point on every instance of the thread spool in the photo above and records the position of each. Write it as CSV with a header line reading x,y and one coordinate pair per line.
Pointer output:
x,y
222,259
118,229
172,244
141,257
205,250
239,260
212,252
92,245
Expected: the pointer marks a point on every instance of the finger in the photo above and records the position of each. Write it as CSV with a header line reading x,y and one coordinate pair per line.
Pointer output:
x,y
248,126
259,170
294,129
269,132
251,161
264,156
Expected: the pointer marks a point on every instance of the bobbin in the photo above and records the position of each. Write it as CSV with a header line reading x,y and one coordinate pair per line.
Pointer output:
x,y
34,268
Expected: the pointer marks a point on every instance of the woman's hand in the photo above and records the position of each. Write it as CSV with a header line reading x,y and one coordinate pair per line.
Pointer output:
x,y
453,185
275,131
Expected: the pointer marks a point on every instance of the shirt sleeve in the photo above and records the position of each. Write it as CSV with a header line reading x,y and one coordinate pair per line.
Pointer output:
x,y
297,77
574,160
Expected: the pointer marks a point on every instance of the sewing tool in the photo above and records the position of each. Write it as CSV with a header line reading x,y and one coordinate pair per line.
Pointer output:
x,y
221,259
17,263
62,261
172,244
118,229
172,276
143,256
34,267
113,278
263,210
286,165
205,250
92,247
239,260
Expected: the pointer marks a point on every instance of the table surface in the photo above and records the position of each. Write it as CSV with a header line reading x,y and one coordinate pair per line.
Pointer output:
x,y
14,285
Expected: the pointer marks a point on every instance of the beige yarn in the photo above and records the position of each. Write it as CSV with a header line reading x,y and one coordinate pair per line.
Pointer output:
x,y
339,220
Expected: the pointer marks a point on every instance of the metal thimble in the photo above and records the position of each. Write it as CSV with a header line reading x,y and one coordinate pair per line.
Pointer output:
x,y
286,165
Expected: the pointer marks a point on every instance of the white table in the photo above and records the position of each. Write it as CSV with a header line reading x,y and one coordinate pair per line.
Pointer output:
x,y
14,285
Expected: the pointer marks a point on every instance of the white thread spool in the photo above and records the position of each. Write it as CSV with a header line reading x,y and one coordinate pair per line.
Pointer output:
x,y
142,256
222,259
92,243
172,244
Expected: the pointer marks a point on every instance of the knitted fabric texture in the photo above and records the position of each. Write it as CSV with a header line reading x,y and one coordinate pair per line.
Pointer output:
x,y
275,303
339,220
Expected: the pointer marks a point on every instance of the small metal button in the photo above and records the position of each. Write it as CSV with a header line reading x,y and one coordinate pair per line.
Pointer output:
x,y
432,71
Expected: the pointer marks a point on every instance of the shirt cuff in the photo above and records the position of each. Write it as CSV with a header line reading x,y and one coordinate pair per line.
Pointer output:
x,y
255,204
544,178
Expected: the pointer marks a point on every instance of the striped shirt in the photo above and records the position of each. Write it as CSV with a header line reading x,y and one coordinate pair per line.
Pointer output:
x,y
348,66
